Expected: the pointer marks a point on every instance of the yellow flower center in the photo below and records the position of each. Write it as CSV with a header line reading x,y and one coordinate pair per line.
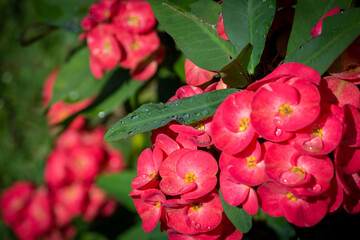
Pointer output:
x,y
298,170
285,109
152,175
190,177
251,162
195,206
133,21
158,204
244,124
108,46
317,131
198,126
107,13
135,46
291,196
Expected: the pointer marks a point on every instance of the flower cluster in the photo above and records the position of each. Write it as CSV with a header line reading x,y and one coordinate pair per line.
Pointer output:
x,y
78,157
121,32
289,143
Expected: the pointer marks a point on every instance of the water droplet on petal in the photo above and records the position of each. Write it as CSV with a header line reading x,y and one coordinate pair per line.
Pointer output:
x,y
313,145
278,132
317,188
279,121
290,177
197,226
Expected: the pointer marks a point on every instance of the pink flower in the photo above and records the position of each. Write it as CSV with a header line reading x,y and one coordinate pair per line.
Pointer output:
x,y
351,127
340,92
56,172
231,128
60,111
194,216
137,47
39,212
134,16
279,108
247,167
348,159
278,200
316,31
69,202
49,85
236,193
149,207
198,133
305,174
186,91
103,46
195,75
189,173
148,167
321,137
220,28
287,71
14,200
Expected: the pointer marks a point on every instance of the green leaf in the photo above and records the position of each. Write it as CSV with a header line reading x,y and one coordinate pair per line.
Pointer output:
x,y
235,74
137,232
119,186
35,32
307,15
238,216
119,87
248,21
338,32
197,39
65,13
151,116
92,236
75,81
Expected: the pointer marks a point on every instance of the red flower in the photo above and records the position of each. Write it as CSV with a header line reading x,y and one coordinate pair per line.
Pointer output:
x,y
231,128
189,173
194,216
134,16
149,207
278,200
316,31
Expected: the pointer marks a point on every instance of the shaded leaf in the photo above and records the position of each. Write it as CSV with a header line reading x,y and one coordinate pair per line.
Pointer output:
x,y
238,216
248,21
35,32
75,81
338,31
235,73
196,38
118,186
151,116
66,14
307,15
119,88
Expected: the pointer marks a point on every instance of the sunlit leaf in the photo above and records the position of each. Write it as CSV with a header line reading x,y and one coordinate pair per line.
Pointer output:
x,y
307,15
197,38
248,21
338,31
154,115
